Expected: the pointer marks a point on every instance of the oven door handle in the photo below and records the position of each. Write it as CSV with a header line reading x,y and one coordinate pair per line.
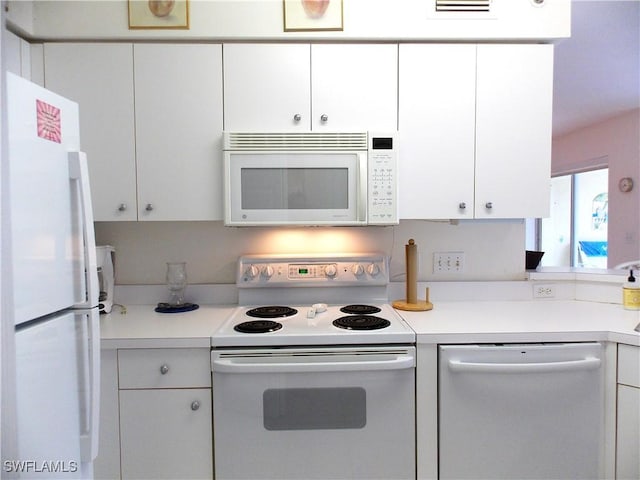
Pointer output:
x,y
243,366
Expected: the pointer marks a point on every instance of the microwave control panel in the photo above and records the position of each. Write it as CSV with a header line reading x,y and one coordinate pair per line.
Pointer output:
x,y
382,165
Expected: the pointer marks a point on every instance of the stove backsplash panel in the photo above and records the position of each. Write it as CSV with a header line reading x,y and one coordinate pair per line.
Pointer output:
x,y
494,250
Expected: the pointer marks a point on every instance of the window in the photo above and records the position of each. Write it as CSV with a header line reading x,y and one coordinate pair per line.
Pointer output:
x,y
575,234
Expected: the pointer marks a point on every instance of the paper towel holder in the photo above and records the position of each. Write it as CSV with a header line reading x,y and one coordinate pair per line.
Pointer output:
x,y
411,302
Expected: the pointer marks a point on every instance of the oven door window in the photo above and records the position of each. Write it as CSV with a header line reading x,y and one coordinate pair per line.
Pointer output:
x,y
314,408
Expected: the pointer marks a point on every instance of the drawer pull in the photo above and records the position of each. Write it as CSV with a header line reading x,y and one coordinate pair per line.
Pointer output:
x,y
164,369
195,405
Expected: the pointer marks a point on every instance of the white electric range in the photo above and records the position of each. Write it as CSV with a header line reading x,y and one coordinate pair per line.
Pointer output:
x,y
313,372
313,300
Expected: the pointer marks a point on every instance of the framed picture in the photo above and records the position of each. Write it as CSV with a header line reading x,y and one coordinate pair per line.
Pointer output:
x,y
159,14
310,15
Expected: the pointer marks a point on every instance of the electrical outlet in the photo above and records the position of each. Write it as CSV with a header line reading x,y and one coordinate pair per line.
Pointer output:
x,y
448,262
544,291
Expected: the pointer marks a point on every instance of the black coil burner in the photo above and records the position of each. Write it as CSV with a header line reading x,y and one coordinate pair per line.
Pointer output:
x,y
258,326
272,311
360,309
361,322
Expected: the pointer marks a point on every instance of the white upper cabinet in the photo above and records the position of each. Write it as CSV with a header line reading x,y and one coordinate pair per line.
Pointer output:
x,y
437,130
513,130
267,87
354,87
99,77
289,87
475,130
151,124
178,111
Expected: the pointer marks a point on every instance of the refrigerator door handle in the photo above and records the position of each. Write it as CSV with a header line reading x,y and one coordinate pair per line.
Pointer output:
x,y
90,431
79,171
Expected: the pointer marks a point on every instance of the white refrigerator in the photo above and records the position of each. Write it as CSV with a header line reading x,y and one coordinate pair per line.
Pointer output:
x,y
54,284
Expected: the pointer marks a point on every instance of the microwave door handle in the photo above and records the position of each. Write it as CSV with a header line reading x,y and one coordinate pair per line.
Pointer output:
x,y
363,186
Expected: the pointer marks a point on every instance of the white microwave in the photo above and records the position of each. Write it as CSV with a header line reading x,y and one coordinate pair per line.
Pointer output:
x,y
310,178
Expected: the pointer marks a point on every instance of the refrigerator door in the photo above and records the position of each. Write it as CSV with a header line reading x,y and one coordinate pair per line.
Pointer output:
x,y
46,225
55,396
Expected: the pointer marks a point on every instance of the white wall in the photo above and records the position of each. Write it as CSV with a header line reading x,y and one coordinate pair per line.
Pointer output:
x,y
494,250
263,19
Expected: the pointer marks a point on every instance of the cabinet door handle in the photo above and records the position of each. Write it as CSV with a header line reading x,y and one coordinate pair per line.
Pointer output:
x,y
462,205
164,369
324,117
489,205
122,207
297,117
195,405
149,207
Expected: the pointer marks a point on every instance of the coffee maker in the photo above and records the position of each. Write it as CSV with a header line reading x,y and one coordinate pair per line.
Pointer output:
x,y
106,276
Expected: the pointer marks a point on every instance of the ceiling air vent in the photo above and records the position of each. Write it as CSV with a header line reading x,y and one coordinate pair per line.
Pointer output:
x,y
463,5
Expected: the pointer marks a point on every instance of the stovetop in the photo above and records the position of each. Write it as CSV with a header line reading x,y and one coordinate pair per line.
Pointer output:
x,y
312,326
291,300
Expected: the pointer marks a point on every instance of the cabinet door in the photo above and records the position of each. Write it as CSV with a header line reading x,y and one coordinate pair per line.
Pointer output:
x,y
178,101
513,130
354,87
17,57
628,439
107,464
266,87
165,434
99,77
437,125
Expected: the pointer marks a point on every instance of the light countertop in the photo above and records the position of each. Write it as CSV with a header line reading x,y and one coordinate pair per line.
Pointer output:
x,y
142,327
448,322
524,321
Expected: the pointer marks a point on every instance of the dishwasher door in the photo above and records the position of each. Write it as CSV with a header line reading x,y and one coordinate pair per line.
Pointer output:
x,y
525,411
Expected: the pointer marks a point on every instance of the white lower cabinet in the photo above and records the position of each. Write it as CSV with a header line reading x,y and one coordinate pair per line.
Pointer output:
x,y
162,398
166,433
628,419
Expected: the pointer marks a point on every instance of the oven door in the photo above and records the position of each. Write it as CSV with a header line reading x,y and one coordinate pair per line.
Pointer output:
x,y
321,413
293,188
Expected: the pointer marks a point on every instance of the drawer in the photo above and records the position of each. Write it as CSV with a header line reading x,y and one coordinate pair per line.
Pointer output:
x,y
629,365
164,368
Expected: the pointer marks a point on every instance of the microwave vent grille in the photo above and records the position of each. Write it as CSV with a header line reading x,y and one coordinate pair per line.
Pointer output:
x,y
463,5
295,141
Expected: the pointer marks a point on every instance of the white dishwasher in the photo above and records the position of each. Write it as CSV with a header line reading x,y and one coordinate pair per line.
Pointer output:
x,y
521,411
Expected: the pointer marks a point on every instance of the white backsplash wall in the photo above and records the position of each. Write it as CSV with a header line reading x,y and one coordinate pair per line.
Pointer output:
x,y
494,250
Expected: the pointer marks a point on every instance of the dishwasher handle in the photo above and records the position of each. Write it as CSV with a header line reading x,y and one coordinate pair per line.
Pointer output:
x,y
589,363
227,365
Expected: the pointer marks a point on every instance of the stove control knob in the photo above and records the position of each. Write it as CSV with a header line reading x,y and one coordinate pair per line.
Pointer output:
x,y
373,269
357,269
252,271
267,271
330,271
